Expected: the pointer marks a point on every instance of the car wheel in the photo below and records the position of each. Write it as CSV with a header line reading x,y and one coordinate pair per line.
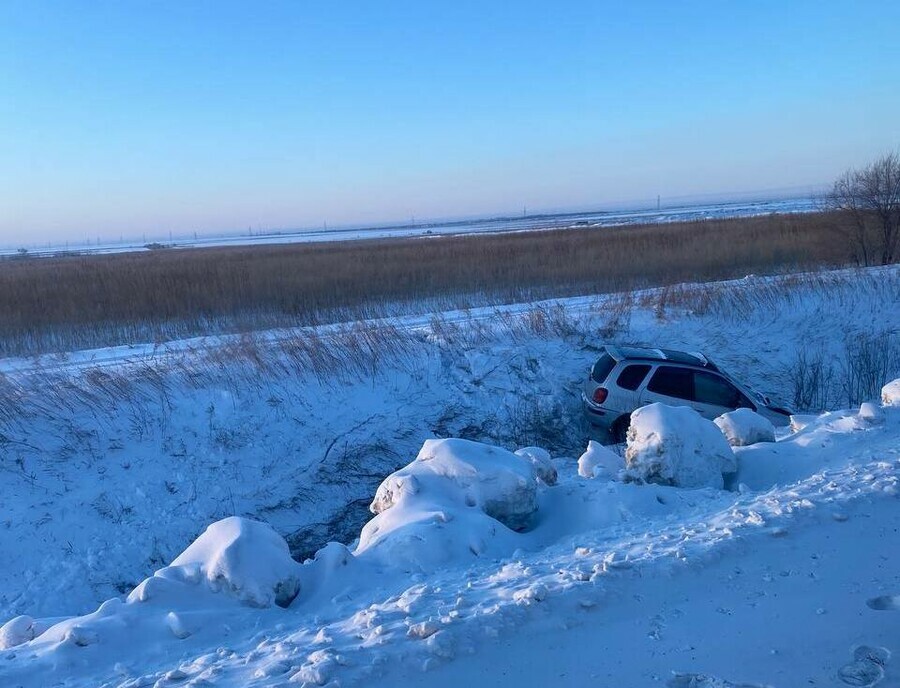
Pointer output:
x,y
619,429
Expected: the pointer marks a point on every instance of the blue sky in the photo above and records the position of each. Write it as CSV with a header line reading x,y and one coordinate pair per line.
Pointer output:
x,y
124,118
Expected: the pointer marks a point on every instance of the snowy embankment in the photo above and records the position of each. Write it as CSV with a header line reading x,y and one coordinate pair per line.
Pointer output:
x,y
111,470
471,544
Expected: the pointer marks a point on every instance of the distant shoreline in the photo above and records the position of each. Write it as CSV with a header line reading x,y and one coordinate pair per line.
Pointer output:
x,y
685,212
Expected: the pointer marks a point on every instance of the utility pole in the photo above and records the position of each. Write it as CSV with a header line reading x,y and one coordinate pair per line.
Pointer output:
x,y
657,202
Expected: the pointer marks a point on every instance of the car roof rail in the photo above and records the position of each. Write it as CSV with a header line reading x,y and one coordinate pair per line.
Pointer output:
x,y
615,352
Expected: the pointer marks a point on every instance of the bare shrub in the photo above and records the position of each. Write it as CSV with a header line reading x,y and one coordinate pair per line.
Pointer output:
x,y
531,421
869,362
812,378
820,381
869,199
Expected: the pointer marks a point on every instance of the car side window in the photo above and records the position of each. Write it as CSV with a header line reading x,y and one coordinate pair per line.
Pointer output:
x,y
672,382
632,376
717,391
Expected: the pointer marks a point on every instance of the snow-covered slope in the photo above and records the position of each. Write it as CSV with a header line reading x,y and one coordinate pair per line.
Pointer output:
x,y
110,472
622,570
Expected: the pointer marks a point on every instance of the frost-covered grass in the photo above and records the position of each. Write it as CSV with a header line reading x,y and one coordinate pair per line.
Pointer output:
x,y
114,460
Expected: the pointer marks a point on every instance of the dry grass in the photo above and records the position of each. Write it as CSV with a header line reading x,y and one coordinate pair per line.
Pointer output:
x,y
58,304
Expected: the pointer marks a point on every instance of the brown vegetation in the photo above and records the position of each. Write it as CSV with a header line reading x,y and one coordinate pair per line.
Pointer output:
x,y
79,301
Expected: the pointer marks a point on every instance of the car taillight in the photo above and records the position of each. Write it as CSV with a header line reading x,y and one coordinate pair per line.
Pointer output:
x,y
599,395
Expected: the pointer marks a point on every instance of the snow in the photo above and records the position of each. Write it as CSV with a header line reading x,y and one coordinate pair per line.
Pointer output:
x,y
599,462
102,488
458,499
648,569
245,558
744,426
675,445
890,393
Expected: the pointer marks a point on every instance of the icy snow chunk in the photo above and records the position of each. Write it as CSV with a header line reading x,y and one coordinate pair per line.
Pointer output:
x,y
489,477
177,626
599,462
424,629
675,445
890,393
16,631
871,413
744,426
248,559
800,421
540,461
533,593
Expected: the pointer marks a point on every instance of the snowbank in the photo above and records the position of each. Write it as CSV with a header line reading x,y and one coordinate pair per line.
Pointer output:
x,y
675,445
890,393
599,462
744,426
244,558
457,499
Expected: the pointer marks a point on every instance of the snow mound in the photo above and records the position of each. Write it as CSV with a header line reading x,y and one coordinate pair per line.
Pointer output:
x,y
491,478
890,393
599,462
248,559
675,445
457,499
16,631
744,426
540,461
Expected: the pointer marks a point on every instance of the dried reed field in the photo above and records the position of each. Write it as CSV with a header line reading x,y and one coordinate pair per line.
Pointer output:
x,y
66,302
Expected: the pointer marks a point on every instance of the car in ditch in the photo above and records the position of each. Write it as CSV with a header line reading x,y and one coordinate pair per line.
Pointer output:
x,y
624,378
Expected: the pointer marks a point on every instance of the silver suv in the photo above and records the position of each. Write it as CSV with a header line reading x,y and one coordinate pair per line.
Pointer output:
x,y
625,378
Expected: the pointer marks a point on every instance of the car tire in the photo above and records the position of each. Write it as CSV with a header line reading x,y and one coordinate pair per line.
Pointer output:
x,y
619,429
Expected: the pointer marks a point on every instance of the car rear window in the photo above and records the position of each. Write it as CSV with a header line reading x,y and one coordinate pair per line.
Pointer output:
x,y
602,368
632,376
672,382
